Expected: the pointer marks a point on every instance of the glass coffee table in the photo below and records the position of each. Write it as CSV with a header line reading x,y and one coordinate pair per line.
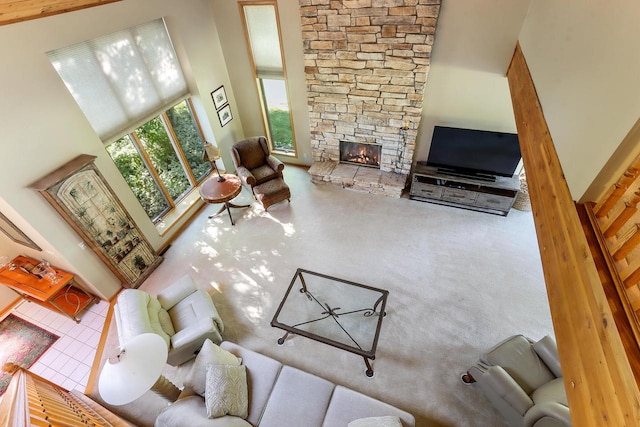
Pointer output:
x,y
333,311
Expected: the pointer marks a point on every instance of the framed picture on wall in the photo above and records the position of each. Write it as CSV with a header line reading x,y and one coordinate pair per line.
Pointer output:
x,y
224,115
15,234
219,97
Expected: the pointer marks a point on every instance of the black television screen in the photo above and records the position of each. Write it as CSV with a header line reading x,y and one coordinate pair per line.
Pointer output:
x,y
474,151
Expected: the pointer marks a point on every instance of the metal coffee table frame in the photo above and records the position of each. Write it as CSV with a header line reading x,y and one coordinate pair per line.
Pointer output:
x,y
326,312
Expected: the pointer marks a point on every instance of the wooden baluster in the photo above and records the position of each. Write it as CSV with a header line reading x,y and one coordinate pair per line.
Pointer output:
x,y
631,207
633,278
629,245
619,189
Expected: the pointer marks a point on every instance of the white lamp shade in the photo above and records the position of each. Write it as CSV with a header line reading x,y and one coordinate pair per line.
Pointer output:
x,y
139,366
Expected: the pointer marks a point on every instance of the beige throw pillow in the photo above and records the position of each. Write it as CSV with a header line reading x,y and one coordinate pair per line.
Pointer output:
x,y
210,353
226,391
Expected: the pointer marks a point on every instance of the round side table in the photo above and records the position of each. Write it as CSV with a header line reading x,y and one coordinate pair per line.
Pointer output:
x,y
215,191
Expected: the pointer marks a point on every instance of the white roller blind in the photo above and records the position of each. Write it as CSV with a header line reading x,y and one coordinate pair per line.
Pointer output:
x,y
263,37
121,78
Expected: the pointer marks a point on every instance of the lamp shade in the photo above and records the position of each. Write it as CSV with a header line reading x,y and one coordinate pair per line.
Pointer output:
x,y
127,375
211,152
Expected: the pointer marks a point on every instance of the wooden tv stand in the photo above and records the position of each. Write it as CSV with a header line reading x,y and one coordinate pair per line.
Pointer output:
x,y
496,197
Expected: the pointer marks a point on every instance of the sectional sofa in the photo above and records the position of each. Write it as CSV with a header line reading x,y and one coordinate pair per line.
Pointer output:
x,y
283,396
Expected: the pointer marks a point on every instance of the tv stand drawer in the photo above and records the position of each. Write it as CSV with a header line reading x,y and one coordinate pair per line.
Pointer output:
x,y
459,196
426,190
494,202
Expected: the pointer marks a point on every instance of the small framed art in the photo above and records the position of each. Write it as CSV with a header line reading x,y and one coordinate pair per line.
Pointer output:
x,y
224,115
219,97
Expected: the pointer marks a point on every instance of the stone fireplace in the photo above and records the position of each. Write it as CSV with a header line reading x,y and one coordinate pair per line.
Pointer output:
x,y
366,65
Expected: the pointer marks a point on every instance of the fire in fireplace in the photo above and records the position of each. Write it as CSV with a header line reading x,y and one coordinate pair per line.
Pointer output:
x,y
360,153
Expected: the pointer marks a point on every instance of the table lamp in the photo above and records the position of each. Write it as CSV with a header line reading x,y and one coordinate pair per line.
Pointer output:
x,y
212,153
135,368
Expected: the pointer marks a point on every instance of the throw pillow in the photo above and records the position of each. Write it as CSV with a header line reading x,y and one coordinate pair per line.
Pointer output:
x,y
210,353
389,421
226,391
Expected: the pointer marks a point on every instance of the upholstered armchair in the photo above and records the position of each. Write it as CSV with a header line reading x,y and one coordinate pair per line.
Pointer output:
x,y
523,380
260,170
254,162
181,314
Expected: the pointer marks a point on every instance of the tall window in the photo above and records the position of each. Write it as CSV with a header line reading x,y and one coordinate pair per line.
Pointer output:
x,y
262,31
162,159
130,83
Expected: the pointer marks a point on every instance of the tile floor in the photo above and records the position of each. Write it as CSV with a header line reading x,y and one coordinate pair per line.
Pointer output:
x,y
68,361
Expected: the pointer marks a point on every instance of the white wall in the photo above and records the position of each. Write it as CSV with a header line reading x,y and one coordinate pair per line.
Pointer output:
x,y
43,127
466,86
583,57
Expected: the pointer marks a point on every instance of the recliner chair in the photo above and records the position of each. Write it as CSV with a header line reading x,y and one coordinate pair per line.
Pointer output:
x,y
181,314
523,380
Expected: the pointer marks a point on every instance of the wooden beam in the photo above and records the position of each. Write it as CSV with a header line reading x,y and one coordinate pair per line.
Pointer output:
x,y
597,375
19,11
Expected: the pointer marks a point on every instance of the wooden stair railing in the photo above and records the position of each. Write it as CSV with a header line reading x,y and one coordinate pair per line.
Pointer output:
x,y
31,400
598,377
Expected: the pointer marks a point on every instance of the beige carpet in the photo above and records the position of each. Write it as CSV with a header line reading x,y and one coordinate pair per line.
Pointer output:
x,y
459,282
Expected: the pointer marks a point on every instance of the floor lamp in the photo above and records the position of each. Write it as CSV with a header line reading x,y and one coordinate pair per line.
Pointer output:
x,y
212,153
135,368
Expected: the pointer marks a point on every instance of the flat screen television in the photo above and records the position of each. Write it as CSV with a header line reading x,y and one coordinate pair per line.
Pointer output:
x,y
474,152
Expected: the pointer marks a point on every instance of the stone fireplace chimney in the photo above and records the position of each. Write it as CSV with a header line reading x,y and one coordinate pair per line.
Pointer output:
x,y
366,64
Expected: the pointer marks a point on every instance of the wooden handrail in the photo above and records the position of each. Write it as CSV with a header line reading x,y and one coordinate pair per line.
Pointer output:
x,y
12,12
596,369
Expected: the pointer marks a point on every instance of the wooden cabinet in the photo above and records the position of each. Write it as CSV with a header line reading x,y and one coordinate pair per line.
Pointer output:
x,y
56,290
82,196
496,197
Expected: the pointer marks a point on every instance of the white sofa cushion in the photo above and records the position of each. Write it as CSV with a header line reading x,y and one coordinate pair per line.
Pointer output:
x,y
226,391
348,405
297,396
191,412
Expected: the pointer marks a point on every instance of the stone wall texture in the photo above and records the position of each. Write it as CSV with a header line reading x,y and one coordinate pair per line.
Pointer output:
x,y
366,64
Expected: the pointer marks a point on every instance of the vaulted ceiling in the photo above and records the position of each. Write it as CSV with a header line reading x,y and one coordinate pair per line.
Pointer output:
x,y
18,11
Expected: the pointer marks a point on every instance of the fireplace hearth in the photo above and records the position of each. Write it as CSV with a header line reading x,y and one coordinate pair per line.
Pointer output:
x,y
361,154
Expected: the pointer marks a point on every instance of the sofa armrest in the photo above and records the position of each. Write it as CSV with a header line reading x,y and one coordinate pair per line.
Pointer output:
x,y
193,334
275,163
547,410
246,176
178,291
500,382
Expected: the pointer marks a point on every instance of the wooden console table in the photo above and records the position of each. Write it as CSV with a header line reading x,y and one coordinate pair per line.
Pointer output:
x,y
61,294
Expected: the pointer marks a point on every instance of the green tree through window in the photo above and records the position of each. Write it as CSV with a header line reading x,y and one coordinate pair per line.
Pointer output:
x,y
162,159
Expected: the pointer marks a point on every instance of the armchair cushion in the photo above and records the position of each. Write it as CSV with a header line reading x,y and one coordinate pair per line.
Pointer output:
x,y
175,293
548,414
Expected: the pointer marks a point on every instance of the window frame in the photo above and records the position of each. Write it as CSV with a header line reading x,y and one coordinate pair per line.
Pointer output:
x,y
258,80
